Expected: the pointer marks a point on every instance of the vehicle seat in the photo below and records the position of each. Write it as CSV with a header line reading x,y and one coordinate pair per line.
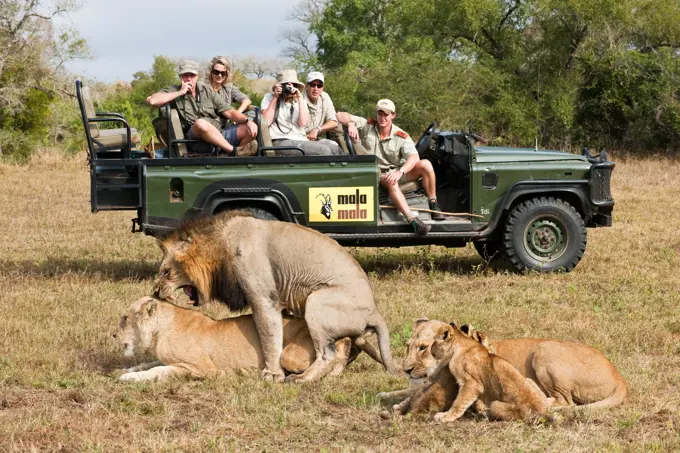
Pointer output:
x,y
109,138
264,133
177,132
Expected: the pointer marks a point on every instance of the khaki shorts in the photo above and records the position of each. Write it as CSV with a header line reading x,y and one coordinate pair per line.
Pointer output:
x,y
402,180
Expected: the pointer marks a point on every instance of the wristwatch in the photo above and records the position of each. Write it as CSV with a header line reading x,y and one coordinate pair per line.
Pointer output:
x,y
319,130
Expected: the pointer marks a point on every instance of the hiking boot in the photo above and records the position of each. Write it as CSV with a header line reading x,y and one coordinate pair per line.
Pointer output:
x,y
434,206
419,227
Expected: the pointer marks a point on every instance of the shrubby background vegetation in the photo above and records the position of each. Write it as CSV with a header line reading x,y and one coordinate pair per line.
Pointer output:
x,y
557,73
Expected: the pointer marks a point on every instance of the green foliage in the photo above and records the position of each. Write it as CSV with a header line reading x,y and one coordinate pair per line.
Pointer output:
x,y
596,73
131,101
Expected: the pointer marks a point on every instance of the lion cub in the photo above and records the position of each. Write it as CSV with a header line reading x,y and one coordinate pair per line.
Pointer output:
x,y
486,380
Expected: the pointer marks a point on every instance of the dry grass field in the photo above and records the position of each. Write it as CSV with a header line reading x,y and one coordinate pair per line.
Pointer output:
x,y
67,275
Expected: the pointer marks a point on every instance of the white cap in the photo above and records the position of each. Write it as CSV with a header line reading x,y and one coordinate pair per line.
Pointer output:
x,y
312,76
386,106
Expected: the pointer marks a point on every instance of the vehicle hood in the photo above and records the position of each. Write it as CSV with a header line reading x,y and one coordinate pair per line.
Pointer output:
x,y
488,154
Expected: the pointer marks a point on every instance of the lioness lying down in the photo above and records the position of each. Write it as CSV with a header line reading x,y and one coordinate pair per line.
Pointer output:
x,y
571,373
188,343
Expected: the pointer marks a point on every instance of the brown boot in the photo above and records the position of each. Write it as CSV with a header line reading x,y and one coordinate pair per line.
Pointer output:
x,y
434,206
419,227
249,149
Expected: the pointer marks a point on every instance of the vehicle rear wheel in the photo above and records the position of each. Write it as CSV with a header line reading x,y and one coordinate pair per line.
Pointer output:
x,y
546,234
489,250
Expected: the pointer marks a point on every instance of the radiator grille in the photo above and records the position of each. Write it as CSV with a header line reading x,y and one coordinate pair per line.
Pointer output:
x,y
601,184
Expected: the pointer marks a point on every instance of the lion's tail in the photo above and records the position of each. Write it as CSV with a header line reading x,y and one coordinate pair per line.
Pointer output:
x,y
380,327
614,399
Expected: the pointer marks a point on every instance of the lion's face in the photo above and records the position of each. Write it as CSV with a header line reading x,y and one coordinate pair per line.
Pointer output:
x,y
137,326
173,275
419,363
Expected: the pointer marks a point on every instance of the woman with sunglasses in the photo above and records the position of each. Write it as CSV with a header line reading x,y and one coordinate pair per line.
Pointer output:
x,y
218,78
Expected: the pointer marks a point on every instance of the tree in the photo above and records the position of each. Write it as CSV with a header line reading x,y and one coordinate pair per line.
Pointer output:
x,y
553,71
32,53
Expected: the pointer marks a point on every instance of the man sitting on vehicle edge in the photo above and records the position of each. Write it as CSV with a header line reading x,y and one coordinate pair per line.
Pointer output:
x,y
199,108
397,157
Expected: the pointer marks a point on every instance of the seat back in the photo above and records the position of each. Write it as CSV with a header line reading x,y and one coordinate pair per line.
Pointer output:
x,y
90,112
177,133
263,127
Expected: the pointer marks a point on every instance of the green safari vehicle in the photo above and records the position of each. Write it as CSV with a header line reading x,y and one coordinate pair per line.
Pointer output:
x,y
530,205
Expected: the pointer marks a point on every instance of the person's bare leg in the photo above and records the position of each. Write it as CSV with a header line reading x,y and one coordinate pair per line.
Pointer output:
x,y
397,198
209,133
243,135
424,170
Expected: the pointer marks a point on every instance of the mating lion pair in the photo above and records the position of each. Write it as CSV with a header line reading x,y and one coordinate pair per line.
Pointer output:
x,y
506,380
272,267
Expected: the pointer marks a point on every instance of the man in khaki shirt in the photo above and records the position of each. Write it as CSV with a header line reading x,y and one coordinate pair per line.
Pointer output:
x,y
397,158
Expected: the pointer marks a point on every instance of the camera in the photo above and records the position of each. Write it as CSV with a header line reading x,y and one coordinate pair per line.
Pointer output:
x,y
286,89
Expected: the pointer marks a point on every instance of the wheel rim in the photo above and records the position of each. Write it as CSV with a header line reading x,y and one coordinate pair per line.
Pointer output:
x,y
545,239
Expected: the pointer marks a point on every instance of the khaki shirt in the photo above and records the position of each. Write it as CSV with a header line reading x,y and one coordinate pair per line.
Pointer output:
x,y
320,112
391,152
231,94
207,105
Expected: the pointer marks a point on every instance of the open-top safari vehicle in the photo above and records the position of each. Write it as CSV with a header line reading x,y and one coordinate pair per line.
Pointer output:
x,y
531,205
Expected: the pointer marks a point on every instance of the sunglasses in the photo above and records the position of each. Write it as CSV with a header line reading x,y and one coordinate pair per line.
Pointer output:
x,y
316,85
219,73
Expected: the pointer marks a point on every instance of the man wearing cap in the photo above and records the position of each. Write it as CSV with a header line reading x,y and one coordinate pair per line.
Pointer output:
x,y
288,116
321,109
199,108
397,158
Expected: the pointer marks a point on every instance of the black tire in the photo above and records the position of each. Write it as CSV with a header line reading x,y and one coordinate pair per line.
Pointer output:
x,y
261,213
490,250
545,234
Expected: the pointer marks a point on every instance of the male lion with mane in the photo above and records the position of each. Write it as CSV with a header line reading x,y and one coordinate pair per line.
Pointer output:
x,y
189,343
272,266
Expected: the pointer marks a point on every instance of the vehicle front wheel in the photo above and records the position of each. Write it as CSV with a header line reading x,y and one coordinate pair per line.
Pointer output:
x,y
546,234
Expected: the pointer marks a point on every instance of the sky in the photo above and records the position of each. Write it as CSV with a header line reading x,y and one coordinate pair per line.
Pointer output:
x,y
125,35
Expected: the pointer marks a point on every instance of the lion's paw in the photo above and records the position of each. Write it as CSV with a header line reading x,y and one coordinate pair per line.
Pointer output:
x,y
441,417
272,376
292,379
383,395
129,377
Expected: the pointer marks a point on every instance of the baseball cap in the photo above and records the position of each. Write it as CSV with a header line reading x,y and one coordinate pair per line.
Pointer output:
x,y
386,106
312,76
187,67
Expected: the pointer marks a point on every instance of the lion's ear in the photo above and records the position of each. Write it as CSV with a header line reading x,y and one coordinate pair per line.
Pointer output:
x,y
420,321
483,339
466,329
150,308
454,324
444,333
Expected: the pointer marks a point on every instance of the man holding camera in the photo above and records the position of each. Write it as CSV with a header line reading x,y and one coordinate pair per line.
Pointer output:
x,y
397,157
199,108
288,116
